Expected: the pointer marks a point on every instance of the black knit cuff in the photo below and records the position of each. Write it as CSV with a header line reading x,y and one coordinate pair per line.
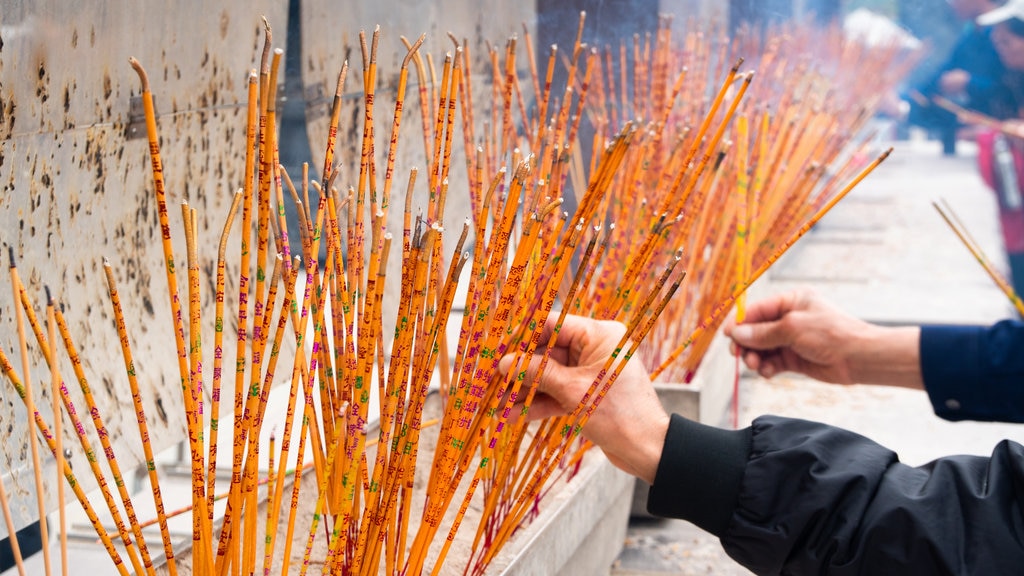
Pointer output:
x,y
699,474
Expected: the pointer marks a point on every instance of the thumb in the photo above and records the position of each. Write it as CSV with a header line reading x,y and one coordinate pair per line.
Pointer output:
x,y
762,335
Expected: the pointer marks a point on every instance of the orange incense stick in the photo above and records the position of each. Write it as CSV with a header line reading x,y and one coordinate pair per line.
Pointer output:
x,y
961,233
58,430
129,364
30,406
201,533
12,534
90,513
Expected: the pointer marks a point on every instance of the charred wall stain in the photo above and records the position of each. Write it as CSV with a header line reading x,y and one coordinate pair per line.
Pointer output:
x,y
42,91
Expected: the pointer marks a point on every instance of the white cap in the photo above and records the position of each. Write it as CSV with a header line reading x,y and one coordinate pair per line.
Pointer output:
x,y
1012,9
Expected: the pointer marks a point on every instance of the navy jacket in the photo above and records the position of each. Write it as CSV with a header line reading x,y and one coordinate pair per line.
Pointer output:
x,y
788,496
974,372
974,53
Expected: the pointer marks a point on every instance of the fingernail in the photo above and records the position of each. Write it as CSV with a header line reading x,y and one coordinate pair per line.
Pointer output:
x,y
742,332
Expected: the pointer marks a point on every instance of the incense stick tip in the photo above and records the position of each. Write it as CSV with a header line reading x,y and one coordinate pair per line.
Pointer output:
x,y
10,253
49,297
143,77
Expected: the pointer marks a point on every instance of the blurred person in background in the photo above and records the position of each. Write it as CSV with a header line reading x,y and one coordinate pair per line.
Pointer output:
x,y
1001,150
970,76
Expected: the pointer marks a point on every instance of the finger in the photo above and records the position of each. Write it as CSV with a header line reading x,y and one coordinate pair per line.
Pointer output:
x,y
543,406
730,323
752,359
775,307
766,365
579,333
773,365
555,373
764,335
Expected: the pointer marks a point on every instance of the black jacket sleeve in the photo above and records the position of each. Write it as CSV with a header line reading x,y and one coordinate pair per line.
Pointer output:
x,y
789,496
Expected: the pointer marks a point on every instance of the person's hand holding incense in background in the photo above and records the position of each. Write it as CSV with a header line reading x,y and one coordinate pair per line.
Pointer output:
x,y
969,372
629,424
1014,127
954,82
800,332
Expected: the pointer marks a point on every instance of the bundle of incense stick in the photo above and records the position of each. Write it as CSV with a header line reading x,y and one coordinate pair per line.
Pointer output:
x,y
790,143
531,265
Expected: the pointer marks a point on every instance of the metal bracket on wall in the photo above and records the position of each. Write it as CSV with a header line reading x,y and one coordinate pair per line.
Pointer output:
x,y
317,103
136,127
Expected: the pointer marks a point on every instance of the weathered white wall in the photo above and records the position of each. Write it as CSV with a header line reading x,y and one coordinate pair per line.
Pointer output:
x,y
74,189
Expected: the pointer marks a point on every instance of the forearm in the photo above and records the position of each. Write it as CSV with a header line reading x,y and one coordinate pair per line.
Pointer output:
x,y
886,355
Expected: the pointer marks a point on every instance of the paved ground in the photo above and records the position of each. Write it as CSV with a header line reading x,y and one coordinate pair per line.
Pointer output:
x,y
885,255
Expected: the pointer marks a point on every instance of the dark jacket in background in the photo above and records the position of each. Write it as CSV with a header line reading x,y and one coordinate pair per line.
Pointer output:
x,y
975,54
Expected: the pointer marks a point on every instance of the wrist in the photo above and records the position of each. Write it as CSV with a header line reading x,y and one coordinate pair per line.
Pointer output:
x,y
886,355
646,455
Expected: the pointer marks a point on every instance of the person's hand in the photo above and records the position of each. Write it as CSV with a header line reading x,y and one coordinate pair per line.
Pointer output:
x,y
892,106
629,424
1014,128
954,83
800,332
